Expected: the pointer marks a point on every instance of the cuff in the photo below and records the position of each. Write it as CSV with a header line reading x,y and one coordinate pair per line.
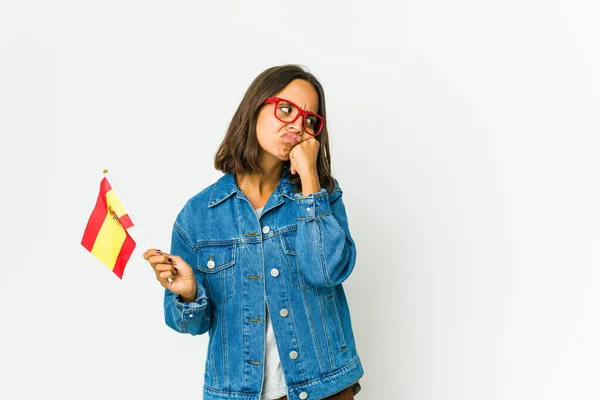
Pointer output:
x,y
313,206
195,308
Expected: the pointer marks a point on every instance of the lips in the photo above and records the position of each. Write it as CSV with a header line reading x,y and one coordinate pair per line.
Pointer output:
x,y
291,138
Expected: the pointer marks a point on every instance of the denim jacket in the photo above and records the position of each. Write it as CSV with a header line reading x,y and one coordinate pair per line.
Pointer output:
x,y
292,259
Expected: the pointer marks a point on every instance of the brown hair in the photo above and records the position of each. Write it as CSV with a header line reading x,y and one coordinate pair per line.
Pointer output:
x,y
238,152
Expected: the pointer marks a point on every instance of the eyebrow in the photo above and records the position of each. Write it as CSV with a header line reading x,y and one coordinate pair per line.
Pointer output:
x,y
309,110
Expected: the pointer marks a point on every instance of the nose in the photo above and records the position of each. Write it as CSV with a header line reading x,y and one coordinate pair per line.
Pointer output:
x,y
297,125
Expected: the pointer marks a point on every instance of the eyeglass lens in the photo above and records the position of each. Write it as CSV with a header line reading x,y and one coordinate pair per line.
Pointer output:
x,y
287,112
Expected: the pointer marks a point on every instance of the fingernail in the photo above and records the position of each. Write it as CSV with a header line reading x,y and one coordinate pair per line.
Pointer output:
x,y
169,259
158,251
175,269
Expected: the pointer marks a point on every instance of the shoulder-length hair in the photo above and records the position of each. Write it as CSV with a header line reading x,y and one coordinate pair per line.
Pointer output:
x,y
238,152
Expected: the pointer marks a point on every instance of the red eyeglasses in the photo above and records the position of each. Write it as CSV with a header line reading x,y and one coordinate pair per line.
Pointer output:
x,y
286,111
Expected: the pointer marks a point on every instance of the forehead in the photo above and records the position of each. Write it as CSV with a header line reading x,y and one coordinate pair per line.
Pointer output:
x,y
301,93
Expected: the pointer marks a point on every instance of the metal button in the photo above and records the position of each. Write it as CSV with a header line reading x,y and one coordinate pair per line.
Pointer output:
x,y
191,315
308,209
210,264
304,395
293,355
266,229
283,312
275,272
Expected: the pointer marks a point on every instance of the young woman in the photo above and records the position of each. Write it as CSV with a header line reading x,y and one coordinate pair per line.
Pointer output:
x,y
258,258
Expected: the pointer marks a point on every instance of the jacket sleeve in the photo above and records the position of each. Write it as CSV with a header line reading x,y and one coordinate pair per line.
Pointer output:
x,y
325,248
193,318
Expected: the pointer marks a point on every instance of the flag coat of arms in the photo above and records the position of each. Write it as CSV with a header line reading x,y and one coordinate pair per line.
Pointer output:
x,y
106,235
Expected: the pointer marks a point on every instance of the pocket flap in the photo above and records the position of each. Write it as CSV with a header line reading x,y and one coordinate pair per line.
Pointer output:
x,y
213,259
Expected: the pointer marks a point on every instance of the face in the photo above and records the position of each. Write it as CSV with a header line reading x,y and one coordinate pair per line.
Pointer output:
x,y
276,138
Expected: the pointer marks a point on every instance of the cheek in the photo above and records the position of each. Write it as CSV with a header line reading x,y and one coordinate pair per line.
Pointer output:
x,y
268,131
265,126
268,135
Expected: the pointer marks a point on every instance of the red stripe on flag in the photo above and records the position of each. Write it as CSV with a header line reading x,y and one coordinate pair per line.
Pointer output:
x,y
97,218
126,250
105,186
126,221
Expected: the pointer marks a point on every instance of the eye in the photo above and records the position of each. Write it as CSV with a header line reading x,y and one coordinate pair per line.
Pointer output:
x,y
311,121
286,108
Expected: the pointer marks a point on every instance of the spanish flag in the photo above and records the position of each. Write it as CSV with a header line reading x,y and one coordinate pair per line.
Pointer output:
x,y
106,235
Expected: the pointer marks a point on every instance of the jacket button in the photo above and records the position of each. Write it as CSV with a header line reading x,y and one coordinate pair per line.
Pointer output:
x,y
293,355
266,229
275,272
210,264
283,312
304,395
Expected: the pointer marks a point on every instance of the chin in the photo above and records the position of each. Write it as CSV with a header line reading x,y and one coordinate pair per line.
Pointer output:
x,y
284,154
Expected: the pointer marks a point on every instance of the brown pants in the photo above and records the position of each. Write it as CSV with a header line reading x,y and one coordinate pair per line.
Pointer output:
x,y
346,394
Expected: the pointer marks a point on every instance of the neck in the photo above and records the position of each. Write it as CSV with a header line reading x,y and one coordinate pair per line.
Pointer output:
x,y
258,184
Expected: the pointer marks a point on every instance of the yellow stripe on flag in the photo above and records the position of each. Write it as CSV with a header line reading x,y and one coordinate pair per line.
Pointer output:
x,y
113,202
110,239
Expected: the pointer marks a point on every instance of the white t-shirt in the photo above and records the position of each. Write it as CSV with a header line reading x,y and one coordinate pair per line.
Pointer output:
x,y
274,385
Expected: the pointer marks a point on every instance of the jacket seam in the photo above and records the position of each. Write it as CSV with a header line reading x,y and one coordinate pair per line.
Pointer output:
x,y
185,237
337,371
228,392
314,336
323,258
324,322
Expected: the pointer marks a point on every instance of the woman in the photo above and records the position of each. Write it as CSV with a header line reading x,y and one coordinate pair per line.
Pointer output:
x,y
258,258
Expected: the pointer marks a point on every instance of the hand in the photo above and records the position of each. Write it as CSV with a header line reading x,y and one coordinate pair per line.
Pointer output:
x,y
303,157
165,266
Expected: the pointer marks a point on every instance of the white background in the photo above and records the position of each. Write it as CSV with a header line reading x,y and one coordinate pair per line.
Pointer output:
x,y
464,134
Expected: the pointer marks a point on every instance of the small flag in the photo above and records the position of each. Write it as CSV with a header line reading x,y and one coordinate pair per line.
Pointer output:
x,y
106,235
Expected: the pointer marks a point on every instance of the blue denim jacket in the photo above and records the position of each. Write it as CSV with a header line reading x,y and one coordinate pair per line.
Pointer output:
x,y
293,259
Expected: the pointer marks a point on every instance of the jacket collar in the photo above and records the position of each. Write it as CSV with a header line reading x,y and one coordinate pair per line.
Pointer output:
x,y
227,186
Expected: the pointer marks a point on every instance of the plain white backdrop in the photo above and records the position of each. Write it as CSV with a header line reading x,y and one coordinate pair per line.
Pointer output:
x,y
464,134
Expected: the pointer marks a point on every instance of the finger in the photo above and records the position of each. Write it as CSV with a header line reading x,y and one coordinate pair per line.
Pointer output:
x,y
161,268
165,282
163,276
162,259
151,252
175,261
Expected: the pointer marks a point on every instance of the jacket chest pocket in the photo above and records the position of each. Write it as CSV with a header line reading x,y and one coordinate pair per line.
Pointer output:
x,y
218,264
288,241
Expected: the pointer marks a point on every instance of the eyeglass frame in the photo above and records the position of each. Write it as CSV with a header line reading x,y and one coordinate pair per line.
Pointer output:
x,y
301,112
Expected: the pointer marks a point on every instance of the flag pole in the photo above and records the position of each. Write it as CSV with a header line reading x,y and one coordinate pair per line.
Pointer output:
x,y
135,223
